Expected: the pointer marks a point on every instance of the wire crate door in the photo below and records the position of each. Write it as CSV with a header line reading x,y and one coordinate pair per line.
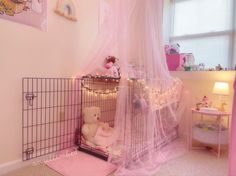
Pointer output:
x,y
98,96
50,115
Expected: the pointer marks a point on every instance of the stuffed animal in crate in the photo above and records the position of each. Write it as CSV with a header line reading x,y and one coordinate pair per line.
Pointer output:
x,y
96,134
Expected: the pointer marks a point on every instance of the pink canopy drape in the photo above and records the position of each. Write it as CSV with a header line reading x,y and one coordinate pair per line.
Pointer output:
x,y
147,102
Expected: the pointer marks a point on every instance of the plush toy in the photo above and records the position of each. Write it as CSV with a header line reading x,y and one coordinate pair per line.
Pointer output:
x,y
172,49
111,67
96,134
219,67
140,103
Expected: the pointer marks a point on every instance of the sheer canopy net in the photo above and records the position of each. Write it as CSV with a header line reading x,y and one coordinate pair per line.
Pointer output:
x,y
148,101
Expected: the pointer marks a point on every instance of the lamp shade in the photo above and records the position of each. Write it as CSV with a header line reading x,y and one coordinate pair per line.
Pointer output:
x,y
221,88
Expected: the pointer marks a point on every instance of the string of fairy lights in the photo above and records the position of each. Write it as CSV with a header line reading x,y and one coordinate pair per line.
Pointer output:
x,y
159,94
157,97
100,92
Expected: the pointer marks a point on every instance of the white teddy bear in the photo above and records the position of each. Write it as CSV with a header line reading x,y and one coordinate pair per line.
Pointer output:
x,y
97,134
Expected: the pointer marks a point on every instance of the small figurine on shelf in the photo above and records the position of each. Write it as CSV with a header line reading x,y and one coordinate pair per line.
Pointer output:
x,y
195,67
201,66
198,106
222,107
219,67
206,102
211,69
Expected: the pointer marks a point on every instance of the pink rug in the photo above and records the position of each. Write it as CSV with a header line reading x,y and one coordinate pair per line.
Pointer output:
x,y
81,164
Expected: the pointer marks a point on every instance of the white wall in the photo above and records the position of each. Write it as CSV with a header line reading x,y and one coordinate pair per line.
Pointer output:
x,y
29,52
88,14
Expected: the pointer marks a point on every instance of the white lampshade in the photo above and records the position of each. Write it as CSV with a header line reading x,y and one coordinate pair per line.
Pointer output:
x,y
221,88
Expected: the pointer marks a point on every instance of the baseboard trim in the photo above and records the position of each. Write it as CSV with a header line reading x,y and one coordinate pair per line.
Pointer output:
x,y
11,166
17,164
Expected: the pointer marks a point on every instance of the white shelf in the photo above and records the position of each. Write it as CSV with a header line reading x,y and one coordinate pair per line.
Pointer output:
x,y
210,136
210,133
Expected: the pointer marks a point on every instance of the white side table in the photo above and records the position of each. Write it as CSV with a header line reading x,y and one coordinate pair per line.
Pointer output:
x,y
218,117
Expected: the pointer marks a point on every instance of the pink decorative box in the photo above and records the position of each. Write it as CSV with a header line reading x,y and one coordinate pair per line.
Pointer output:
x,y
174,61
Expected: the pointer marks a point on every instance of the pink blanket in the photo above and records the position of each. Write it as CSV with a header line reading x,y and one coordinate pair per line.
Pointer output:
x,y
81,164
104,137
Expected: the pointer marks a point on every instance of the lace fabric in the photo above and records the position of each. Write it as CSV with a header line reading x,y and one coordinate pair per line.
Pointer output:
x,y
148,111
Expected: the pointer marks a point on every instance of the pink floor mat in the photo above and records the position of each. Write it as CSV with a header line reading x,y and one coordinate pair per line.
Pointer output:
x,y
81,164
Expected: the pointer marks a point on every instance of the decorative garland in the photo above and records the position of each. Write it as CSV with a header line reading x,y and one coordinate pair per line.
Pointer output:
x,y
160,97
100,92
103,78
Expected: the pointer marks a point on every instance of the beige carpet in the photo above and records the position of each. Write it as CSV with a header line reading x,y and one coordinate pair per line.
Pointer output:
x,y
194,163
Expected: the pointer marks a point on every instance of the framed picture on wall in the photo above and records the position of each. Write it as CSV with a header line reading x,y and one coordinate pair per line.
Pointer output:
x,y
67,9
28,12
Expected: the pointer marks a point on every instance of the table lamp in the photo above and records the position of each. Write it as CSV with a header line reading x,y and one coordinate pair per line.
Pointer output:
x,y
221,89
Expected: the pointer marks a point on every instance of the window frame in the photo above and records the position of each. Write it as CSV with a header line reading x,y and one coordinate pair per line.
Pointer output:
x,y
229,33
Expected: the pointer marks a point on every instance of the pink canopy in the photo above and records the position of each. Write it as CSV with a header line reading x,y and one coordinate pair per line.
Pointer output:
x,y
148,109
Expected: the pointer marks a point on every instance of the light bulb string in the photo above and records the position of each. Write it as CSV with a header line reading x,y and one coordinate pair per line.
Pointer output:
x,y
100,92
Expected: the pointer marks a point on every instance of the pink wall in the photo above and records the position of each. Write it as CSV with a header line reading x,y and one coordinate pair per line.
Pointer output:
x,y
232,159
26,51
29,52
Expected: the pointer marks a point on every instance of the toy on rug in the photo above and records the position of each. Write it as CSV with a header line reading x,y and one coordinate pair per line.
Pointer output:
x,y
111,67
97,134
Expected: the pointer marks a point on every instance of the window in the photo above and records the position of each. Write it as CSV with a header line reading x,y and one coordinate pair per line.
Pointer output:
x,y
206,29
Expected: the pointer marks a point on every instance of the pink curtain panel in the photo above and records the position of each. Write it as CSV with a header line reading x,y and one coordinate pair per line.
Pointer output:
x,y
232,160
132,32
